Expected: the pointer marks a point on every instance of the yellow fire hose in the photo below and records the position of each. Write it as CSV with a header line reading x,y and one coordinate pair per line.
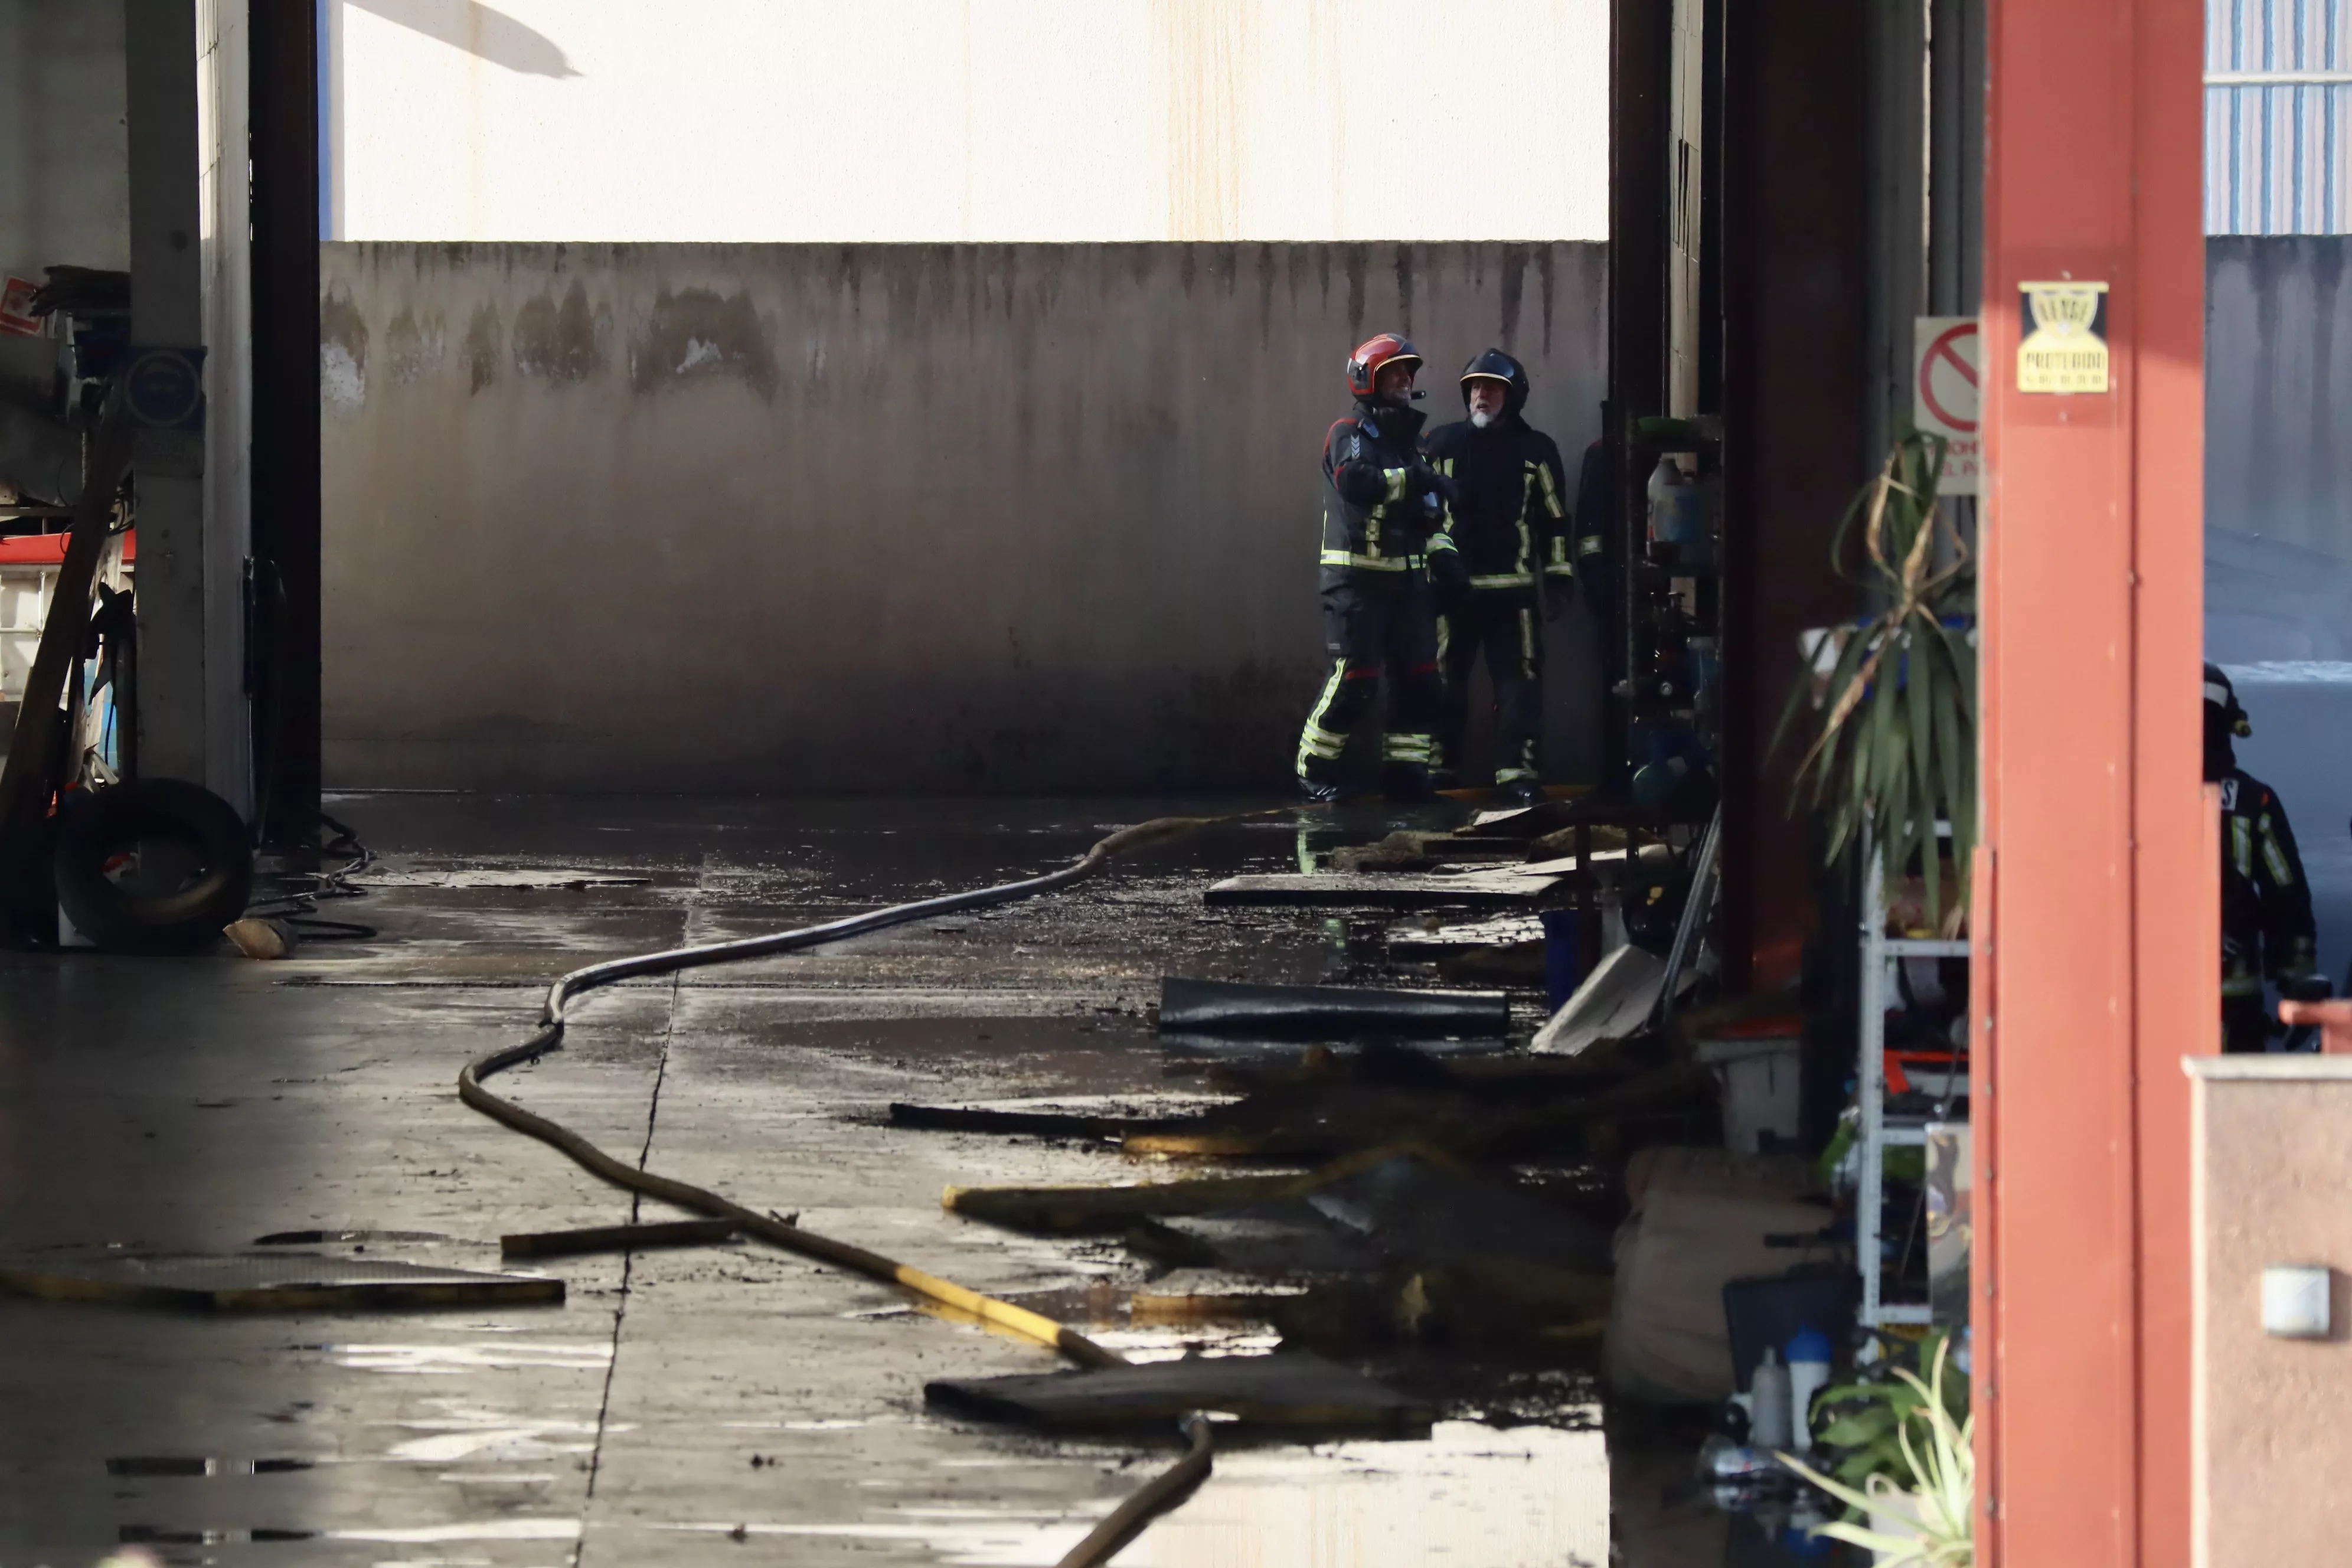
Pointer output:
x,y
1166,1490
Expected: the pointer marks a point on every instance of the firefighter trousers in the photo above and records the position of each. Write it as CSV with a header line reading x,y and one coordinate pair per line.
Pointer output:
x,y
1506,627
1370,630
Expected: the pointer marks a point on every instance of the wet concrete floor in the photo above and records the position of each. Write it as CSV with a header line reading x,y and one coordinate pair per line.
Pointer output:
x,y
711,1404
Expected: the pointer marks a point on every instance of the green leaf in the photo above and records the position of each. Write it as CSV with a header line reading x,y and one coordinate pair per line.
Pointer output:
x,y
1850,1431
1918,701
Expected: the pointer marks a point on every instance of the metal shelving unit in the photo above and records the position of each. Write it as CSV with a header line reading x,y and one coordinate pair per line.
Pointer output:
x,y
1878,1131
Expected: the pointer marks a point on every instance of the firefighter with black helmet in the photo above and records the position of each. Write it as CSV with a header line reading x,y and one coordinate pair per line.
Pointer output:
x,y
1383,515
1510,526
2267,932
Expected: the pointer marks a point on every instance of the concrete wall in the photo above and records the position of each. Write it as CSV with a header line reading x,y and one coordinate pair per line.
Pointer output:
x,y
65,189
920,121
2278,467
2270,1443
803,518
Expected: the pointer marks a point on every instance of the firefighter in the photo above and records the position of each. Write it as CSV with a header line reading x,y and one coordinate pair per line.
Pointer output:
x,y
1383,511
2267,932
1509,527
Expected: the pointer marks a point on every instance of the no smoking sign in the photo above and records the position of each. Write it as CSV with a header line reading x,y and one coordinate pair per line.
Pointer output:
x,y
1944,393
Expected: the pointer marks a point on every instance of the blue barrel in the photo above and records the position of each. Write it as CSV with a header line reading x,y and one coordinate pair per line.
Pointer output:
x,y
1563,955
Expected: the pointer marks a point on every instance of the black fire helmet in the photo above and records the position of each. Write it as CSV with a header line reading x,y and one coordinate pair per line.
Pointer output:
x,y
1495,365
2221,694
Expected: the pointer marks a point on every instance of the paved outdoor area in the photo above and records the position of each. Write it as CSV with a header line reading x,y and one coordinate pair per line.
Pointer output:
x,y
711,1404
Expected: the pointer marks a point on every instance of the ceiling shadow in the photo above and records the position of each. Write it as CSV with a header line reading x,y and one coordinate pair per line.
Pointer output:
x,y
479,30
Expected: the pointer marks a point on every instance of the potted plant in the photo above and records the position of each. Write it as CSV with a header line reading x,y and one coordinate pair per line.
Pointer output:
x,y
1896,746
1905,1468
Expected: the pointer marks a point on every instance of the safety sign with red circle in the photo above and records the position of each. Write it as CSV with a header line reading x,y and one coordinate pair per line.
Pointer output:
x,y
1944,393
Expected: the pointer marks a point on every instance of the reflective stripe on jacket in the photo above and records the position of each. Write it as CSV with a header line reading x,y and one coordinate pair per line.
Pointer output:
x,y
1378,521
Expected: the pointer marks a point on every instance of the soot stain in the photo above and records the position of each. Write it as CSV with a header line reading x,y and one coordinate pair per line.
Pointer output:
x,y
484,340
1355,263
1265,271
1514,278
412,348
559,343
1404,286
1543,275
697,333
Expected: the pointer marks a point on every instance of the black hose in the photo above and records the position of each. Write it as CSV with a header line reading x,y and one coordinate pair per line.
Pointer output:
x,y
1164,1491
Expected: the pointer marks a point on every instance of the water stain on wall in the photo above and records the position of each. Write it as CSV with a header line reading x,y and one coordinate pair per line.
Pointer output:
x,y
1543,274
342,353
561,343
1514,278
412,348
484,340
695,333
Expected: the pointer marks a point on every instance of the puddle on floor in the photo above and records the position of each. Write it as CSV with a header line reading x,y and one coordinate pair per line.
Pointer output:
x,y
1529,1497
458,1360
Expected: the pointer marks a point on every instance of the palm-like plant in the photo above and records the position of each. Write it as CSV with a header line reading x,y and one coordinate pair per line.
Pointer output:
x,y
1942,1462
1898,748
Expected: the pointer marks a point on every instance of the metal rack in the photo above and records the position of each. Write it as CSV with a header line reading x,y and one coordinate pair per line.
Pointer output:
x,y
1878,1131
1638,688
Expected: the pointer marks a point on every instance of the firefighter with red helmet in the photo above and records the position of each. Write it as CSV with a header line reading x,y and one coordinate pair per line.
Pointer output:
x,y
1383,514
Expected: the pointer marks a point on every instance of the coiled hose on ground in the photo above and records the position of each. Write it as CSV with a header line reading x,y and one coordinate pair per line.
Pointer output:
x,y
1165,1490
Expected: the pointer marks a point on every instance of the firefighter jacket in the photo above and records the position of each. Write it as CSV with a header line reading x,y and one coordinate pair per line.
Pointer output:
x,y
1381,519
2267,933
1509,519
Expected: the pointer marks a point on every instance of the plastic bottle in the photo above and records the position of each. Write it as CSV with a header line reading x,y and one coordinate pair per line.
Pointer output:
x,y
1809,1374
1770,1390
1662,493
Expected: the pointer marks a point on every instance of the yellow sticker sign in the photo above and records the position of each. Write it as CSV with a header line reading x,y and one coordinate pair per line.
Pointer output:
x,y
2064,349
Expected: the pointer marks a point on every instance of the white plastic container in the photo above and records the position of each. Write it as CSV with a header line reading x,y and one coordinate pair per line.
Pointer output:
x,y
1759,1081
1809,1374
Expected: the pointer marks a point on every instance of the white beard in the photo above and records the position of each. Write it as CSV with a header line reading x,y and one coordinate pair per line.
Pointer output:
x,y
1480,421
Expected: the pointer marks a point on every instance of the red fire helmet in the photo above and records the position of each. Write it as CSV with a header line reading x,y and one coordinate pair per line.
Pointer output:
x,y
1365,364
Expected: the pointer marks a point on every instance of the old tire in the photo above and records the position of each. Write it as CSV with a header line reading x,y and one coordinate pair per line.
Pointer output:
x,y
192,832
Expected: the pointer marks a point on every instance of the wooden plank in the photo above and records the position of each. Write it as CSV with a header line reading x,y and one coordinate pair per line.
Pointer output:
x,y
616,1239
1023,1123
1079,1210
1191,1007
1287,1390
248,1282
1402,890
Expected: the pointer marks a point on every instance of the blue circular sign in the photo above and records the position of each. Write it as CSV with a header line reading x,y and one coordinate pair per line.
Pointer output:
x,y
163,387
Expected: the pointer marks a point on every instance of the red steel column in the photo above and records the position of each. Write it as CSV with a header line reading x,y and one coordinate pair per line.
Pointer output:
x,y
2102,974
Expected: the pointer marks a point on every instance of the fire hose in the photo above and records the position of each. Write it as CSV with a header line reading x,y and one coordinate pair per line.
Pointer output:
x,y
1166,1490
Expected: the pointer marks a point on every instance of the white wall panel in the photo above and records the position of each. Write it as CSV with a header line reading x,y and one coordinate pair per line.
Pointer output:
x,y
815,121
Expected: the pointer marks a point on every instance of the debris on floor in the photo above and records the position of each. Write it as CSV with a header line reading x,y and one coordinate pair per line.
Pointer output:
x,y
1224,1008
1615,1002
618,1239
1430,936
521,878
258,938
1380,890
1289,1389
1702,1219
270,1283
1410,851
1404,1095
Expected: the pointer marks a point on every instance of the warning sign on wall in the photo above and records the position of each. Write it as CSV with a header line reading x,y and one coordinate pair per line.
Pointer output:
x,y
17,307
2064,350
1944,394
